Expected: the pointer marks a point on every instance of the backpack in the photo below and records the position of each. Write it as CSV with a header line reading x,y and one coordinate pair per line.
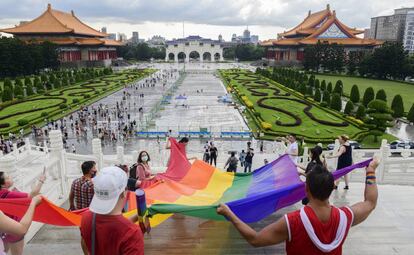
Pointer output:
x,y
133,171
233,163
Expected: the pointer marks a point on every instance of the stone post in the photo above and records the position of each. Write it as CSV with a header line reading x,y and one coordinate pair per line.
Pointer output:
x,y
120,154
383,154
97,152
57,152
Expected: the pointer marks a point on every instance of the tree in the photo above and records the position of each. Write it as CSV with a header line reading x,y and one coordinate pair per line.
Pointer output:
x,y
410,115
336,102
368,96
338,87
397,106
326,97
302,88
323,85
354,61
29,89
355,97
381,95
360,113
7,83
309,91
349,107
379,118
7,94
329,88
317,95
316,84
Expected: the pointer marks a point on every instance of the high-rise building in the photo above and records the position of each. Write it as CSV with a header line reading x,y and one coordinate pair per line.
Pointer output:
x,y
103,30
112,36
390,28
408,41
246,34
135,38
220,38
254,39
122,37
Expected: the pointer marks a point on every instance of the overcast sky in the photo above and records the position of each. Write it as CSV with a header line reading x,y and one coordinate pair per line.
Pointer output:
x,y
207,18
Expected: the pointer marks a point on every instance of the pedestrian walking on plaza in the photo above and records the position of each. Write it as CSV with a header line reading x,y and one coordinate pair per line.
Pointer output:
x,y
248,161
103,227
73,148
292,147
10,226
319,227
16,242
232,163
206,155
344,156
242,158
213,154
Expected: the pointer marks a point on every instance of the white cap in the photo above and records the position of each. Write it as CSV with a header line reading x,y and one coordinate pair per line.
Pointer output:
x,y
108,185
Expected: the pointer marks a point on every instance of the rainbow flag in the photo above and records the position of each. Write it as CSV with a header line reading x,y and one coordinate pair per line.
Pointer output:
x,y
196,190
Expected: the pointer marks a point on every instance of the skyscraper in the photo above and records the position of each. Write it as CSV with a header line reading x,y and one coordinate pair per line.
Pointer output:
x,y
408,41
390,28
103,30
135,37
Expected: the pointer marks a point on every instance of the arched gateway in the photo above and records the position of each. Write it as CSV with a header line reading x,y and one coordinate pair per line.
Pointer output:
x,y
194,49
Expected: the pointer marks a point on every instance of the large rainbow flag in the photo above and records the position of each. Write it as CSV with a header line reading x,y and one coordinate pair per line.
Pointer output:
x,y
196,190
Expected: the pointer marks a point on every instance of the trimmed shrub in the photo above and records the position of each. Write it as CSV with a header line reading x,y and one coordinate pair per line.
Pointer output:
x,y
309,91
410,115
360,113
368,96
339,87
29,89
379,118
7,83
316,84
86,96
302,88
63,106
336,102
18,90
324,104
20,97
317,95
44,114
265,125
40,91
349,107
7,94
381,95
355,97
397,106
22,122
326,97
323,85
75,101
329,87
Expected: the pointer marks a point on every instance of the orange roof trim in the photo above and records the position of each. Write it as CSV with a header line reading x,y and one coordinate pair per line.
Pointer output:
x,y
54,22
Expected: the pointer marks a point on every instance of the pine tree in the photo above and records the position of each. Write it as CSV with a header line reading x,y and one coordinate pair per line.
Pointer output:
x,y
349,107
381,95
7,83
18,89
7,94
355,97
29,89
317,97
336,102
316,84
397,106
329,88
379,118
338,88
410,115
323,85
368,96
360,113
326,97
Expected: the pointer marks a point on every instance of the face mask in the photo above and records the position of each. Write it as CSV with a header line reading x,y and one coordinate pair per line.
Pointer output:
x,y
144,158
93,174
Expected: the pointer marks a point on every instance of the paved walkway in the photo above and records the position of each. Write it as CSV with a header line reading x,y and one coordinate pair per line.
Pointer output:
x,y
389,230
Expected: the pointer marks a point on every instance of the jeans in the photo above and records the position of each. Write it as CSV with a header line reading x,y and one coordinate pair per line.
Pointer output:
x,y
247,165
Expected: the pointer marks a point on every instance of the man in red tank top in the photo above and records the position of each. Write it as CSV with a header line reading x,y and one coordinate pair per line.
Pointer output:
x,y
318,228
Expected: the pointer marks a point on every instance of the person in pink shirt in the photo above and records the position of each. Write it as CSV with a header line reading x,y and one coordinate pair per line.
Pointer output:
x,y
16,242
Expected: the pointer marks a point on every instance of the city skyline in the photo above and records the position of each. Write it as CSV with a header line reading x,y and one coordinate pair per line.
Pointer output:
x,y
264,18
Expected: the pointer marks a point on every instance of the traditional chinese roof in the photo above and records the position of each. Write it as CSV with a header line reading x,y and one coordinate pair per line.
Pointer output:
x,y
54,22
79,41
321,26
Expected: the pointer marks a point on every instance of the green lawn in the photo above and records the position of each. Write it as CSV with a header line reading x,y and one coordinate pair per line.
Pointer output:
x,y
274,95
32,108
391,88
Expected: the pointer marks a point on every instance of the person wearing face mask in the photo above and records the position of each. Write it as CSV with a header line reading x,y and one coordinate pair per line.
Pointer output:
x,y
141,171
81,192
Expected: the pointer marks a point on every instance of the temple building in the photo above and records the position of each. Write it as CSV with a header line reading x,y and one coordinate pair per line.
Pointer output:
x,y
322,26
79,44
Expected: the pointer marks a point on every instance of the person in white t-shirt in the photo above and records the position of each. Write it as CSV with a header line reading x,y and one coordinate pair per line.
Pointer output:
x,y
292,148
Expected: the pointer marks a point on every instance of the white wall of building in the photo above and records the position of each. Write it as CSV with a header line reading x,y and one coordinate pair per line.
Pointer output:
x,y
200,47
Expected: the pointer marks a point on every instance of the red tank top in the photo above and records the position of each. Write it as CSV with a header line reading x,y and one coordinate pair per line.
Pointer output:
x,y
325,239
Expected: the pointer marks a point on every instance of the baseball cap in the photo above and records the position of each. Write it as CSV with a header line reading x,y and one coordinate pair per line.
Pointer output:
x,y
108,185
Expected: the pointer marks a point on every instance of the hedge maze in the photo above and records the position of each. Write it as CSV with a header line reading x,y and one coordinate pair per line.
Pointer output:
x,y
276,110
56,103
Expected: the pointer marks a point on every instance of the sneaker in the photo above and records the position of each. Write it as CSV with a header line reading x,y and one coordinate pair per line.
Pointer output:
x,y
346,187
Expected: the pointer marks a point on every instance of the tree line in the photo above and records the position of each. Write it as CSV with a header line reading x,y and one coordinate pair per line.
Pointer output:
x,y
389,61
244,52
21,58
140,51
